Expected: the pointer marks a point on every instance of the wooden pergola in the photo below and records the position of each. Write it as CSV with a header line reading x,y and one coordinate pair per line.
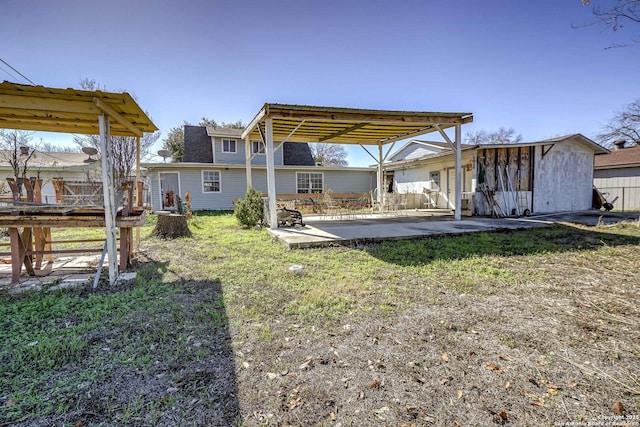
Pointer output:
x,y
279,123
39,108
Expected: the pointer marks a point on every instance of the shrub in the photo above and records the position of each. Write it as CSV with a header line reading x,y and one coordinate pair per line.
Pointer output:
x,y
248,211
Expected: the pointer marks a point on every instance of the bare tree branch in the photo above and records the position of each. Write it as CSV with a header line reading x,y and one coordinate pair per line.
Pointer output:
x,y
616,17
329,154
501,136
624,125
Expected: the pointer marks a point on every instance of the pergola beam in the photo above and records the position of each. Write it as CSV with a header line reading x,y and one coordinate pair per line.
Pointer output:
x,y
343,132
17,102
118,118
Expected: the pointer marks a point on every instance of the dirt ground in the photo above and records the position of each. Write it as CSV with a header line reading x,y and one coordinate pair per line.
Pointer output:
x,y
559,347
539,354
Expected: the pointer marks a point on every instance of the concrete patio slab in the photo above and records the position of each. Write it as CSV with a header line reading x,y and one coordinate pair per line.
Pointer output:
x,y
372,228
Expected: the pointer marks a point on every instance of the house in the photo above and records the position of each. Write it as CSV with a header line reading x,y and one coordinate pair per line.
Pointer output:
x,y
552,175
214,172
77,170
617,174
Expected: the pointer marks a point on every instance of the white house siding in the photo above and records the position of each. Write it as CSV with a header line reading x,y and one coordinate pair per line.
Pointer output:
x,y
415,178
414,151
622,187
238,158
563,179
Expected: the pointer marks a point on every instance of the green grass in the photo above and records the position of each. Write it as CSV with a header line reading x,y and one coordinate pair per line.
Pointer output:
x,y
194,287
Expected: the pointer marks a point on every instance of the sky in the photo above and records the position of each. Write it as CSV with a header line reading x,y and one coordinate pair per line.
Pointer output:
x,y
529,65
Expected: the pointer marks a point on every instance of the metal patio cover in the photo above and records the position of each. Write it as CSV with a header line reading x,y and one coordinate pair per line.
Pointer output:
x,y
301,123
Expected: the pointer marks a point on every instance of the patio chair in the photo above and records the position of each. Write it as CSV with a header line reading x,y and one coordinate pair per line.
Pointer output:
x,y
402,204
331,208
374,203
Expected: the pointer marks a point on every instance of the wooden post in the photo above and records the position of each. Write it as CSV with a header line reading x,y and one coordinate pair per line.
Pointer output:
x,y
247,159
109,197
458,212
58,186
380,179
271,175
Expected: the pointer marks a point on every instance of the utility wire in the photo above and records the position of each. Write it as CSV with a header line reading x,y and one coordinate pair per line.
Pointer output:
x,y
12,76
22,75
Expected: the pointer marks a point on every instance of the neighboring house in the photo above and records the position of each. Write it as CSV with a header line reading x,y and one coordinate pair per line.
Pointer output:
x,y
426,171
617,174
553,175
76,168
213,171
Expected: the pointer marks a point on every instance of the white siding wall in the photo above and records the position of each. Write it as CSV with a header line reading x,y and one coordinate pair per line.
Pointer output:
x,y
414,151
563,179
414,180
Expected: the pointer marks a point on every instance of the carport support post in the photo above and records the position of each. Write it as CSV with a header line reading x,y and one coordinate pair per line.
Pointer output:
x,y
109,197
271,174
247,157
380,179
458,210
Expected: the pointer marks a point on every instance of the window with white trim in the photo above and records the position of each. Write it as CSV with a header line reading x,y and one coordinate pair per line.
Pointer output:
x,y
210,181
257,147
309,182
228,145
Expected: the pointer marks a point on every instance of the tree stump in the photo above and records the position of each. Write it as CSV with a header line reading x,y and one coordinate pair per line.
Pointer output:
x,y
170,226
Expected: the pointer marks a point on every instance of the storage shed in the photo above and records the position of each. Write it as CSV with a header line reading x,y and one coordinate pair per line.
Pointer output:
x,y
553,175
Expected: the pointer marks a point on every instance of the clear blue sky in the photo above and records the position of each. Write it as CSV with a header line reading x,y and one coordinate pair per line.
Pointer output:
x,y
513,63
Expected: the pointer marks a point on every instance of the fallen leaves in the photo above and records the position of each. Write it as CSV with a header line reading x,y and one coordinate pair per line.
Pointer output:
x,y
535,400
379,413
618,408
308,363
294,400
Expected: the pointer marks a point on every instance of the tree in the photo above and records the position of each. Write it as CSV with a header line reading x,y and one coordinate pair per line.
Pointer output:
x,y
329,154
624,125
123,147
16,151
617,16
174,141
500,136
48,147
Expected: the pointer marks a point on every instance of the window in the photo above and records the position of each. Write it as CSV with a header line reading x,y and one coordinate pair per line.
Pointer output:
x,y
257,147
307,182
228,145
210,181
434,177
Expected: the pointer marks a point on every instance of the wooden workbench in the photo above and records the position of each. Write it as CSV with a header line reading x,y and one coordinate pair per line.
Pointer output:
x,y
30,232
